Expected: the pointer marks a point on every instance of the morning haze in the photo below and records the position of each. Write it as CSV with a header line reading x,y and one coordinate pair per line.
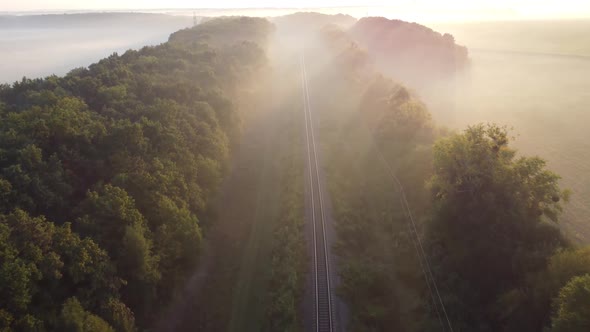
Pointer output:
x,y
309,166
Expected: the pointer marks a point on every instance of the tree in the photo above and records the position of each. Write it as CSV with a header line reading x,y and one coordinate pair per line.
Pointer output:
x,y
528,308
573,306
131,150
42,264
109,216
491,223
75,319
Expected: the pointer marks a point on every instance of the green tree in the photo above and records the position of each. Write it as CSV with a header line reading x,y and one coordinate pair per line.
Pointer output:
x,y
573,306
75,319
110,218
491,223
528,308
42,264
131,149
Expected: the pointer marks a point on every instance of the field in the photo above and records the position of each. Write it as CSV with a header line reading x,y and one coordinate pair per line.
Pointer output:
x,y
537,82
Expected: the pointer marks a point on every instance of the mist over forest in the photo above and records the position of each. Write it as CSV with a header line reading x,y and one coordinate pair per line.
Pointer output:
x,y
42,45
297,172
532,79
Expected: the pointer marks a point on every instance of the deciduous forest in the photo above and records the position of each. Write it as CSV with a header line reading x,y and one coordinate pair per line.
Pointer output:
x,y
184,164
107,175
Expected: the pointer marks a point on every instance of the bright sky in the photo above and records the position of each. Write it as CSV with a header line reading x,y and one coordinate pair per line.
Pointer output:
x,y
448,9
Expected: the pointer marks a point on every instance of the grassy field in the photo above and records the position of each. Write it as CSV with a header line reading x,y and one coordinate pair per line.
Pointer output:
x,y
520,78
549,37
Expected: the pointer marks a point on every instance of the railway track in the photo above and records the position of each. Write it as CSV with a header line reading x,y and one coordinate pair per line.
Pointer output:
x,y
323,305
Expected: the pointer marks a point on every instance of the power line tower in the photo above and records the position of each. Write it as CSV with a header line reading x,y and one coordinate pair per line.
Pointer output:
x,y
194,19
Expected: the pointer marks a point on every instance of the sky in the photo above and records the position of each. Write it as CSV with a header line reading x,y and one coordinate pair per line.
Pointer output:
x,y
432,8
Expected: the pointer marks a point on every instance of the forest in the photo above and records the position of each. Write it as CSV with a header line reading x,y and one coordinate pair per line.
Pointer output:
x,y
494,258
410,52
107,175
121,181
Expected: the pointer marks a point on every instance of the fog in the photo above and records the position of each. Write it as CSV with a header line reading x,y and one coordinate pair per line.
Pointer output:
x,y
536,81
521,74
285,174
38,46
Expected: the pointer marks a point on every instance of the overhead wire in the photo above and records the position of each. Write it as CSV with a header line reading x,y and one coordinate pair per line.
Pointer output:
x,y
417,241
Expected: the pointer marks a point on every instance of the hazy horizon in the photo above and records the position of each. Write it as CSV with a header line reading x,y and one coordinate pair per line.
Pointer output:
x,y
418,11
400,168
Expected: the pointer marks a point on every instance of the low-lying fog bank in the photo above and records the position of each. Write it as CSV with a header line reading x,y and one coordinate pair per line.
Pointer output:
x,y
37,46
538,84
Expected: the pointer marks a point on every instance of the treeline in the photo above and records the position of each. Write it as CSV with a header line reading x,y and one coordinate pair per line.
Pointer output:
x,y
410,52
308,23
289,259
486,217
107,174
493,237
381,126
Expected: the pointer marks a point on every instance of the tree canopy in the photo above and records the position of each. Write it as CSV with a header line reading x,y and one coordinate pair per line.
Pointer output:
x,y
573,306
107,174
493,222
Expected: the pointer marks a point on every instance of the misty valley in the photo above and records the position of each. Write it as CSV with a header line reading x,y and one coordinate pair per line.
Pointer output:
x,y
298,172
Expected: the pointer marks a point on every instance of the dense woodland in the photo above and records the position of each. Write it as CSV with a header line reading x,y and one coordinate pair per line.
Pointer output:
x,y
107,175
410,52
487,217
